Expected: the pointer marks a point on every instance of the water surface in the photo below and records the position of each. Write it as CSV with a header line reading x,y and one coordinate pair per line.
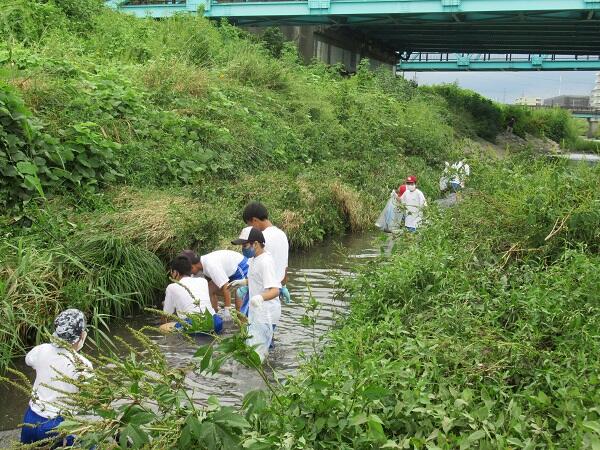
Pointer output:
x,y
313,271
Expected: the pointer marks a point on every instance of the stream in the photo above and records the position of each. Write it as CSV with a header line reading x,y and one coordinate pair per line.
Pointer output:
x,y
312,271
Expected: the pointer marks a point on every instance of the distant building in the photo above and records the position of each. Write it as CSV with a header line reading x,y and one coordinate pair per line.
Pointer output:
x,y
595,97
529,101
569,101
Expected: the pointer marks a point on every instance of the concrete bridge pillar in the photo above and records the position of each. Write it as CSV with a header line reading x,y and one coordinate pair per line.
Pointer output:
x,y
592,127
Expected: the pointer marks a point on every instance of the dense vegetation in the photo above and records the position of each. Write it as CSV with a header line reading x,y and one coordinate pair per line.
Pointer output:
x,y
124,140
481,332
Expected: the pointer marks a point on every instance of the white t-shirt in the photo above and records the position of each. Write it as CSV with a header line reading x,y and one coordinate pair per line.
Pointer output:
x,y
414,203
460,171
179,300
51,363
220,265
261,276
276,243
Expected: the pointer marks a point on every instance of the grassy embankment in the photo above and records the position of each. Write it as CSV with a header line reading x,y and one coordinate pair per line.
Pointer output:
x,y
482,333
126,140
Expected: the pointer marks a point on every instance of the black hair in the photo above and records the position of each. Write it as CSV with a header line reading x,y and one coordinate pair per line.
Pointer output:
x,y
182,265
191,255
255,209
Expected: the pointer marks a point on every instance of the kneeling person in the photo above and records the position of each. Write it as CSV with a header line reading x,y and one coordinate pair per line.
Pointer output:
x,y
263,289
223,267
53,364
187,296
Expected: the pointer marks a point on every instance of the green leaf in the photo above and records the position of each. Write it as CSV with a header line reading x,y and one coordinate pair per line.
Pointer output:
x,y
227,417
216,437
447,424
359,419
373,392
137,436
34,182
26,168
255,402
592,425
376,430
475,436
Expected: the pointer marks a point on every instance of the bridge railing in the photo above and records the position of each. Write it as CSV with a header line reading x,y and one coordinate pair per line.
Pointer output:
x,y
490,57
152,2
577,110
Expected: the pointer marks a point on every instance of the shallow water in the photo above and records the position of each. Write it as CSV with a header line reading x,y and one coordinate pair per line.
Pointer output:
x,y
314,270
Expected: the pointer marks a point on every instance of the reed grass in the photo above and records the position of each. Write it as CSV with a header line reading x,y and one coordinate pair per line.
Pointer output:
x,y
102,275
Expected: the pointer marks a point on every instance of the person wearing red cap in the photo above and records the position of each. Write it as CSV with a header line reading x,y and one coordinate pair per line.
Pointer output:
x,y
413,201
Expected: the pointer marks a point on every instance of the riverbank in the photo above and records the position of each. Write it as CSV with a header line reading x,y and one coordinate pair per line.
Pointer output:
x,y
130,139
125,147
480,333
312,272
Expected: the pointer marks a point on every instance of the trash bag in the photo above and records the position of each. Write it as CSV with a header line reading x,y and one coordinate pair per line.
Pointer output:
x,y
443,184
260,330
390,218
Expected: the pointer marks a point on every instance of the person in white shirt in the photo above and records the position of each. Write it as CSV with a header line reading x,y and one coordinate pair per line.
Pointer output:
x,y
195,260
220,268
276,242
54,363
187,296
263,289
413,202
459,171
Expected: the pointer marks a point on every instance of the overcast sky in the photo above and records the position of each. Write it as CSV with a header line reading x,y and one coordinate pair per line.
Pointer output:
x,y
507,86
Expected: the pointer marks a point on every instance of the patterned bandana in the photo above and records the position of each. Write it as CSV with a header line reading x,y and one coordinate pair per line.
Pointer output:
x,y
69,325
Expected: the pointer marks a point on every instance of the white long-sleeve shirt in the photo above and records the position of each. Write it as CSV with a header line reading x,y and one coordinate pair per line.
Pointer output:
x,y
414,202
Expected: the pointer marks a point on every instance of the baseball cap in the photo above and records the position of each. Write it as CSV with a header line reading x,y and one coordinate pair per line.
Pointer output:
x,y
411,179
249,234
69,325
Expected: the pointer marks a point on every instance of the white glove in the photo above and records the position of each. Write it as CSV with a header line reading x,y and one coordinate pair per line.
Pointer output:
x,y
237,283
257,301
226,314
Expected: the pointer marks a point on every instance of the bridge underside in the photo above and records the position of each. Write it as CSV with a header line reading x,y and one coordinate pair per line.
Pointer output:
x,y
544,27
544,34
444,62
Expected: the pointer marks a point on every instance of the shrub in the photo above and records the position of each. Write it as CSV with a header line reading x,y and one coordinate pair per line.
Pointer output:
x,y
31,161
481,113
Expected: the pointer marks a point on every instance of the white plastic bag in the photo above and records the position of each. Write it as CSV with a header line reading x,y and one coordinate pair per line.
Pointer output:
x,y
390,218
260,329
261,335
443,184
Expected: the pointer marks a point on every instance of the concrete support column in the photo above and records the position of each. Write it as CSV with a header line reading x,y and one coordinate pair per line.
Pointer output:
x,y
592,127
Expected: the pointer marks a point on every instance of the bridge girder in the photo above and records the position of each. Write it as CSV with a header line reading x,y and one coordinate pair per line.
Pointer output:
x,y
559,27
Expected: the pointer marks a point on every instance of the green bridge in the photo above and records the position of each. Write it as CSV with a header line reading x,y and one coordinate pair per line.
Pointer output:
x,y
429,35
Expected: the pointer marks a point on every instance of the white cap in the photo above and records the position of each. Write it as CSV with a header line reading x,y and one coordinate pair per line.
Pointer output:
x,y
243,237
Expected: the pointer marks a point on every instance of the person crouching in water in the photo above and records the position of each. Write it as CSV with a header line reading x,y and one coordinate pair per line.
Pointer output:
x,y
263,289
54,363
413,201
187,296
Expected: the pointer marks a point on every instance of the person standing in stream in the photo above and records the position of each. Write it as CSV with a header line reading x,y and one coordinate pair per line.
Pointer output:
x,y
255,215
263,289
413,201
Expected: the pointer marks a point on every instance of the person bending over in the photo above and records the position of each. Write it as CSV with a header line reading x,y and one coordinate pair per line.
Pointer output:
x,y
187,296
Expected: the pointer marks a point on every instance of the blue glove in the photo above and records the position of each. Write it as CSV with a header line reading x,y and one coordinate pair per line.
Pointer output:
x,y
284,295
